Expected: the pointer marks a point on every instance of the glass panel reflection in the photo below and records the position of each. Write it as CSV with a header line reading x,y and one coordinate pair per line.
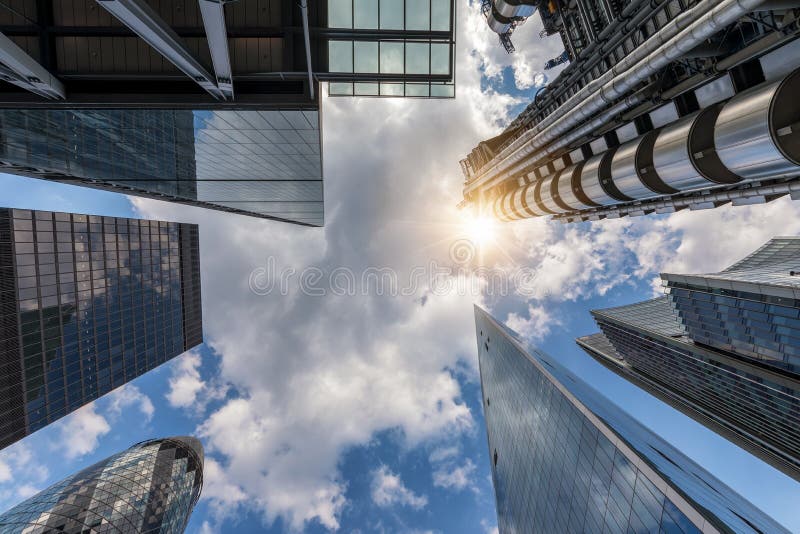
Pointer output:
x,y
209,157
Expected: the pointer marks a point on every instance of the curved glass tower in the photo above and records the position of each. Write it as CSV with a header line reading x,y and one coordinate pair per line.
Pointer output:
x,y
150,488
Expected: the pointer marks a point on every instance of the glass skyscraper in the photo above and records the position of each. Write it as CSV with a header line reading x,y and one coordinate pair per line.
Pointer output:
x,y
721,349
88,303
260,163
150,488
565,459
751,308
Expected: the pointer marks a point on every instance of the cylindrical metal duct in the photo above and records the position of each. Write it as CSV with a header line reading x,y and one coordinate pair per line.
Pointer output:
x,y
595,170
672,158
757,133
625,174
515,8
754,135
564,187
632,169
546,194
687,30
684,156
497,22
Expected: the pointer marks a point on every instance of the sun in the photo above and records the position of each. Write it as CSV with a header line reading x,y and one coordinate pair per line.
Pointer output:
x,y
480,229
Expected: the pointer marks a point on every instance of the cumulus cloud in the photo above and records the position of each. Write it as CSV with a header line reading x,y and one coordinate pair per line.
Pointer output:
x,y
443,453
16,464
80,431
533,328
185,383
126,397
455,477
388,490
320,375
187,389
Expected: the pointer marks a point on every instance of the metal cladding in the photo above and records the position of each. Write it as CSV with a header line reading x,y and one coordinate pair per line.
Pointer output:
x,y
754,135
504,14
498,23
757,133
512,8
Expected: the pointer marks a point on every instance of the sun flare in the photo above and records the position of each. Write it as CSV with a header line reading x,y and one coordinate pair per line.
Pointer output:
x,y
480,229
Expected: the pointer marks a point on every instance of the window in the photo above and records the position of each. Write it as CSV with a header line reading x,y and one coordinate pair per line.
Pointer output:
x,y
417,58
365,14
366,56
391,14
391,58
418,15
340,56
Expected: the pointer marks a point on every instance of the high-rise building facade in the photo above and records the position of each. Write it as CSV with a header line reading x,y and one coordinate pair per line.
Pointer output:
x,y
150,488
751,308
721,348
565,459
663,106
264,164
209,103
88,303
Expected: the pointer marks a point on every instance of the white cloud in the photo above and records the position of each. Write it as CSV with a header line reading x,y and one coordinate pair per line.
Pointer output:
x,y
455,477
16,463
531,52
533,328
126,397
5,472
80,431
185,383
388,490
443,453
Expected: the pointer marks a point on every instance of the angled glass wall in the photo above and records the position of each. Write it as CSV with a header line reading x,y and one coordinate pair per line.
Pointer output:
x,y
565,459
755,407
260,163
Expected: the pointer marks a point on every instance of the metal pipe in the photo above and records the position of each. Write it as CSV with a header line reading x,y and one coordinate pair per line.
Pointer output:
x,y
680,35
148,24
753,136
213,14
304,11
22,70
592,87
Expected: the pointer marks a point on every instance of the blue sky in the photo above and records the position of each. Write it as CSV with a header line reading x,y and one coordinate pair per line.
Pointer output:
x,y
361,413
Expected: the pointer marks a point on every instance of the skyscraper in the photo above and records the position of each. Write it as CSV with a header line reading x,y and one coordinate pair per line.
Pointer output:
x,y
565,459
87,304
722,348
208,103
664,106
150,488
260,163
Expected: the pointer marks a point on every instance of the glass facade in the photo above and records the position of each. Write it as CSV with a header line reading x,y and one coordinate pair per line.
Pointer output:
x,y
755,408
150,488
751,308
260,163
399,48
565,459
89,303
